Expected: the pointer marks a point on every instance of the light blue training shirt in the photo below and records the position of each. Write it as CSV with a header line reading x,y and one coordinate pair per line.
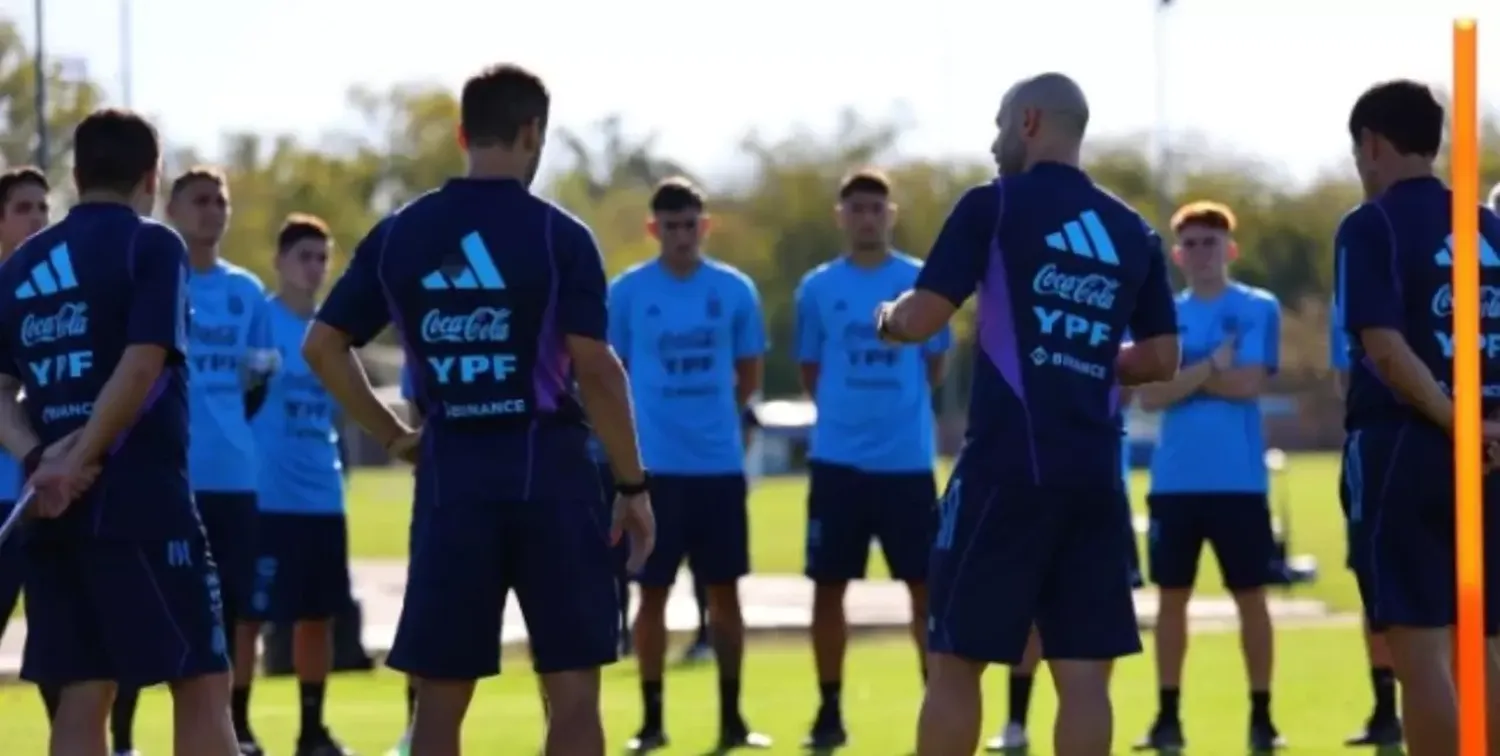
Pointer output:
x,y
296,429
229,348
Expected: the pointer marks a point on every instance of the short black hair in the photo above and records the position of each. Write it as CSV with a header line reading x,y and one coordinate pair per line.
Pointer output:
x,y
500,101
1403,111
194,175
299,226
676,194
865,181
16,178
114,150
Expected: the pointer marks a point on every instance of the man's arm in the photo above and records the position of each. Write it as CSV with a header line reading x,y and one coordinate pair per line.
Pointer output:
x,y
749,345
1257,357
949,276
261,358
1156,352
808,341
936,353
1159,396
1338,348
354,313
16,434
583,312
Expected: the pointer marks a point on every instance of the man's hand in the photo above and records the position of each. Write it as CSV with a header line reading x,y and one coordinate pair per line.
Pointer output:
x,y
883,323
61,478
633,517
1223,357
406,447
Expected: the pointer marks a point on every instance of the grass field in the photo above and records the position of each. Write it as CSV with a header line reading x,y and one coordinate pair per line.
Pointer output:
x,y
380,507
1320,694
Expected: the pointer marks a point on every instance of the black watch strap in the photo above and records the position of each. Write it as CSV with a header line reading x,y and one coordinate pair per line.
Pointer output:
x,y
632,489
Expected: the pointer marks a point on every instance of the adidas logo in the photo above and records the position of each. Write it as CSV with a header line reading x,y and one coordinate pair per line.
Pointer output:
x,y
480,273
1488,258
1085,237
50,276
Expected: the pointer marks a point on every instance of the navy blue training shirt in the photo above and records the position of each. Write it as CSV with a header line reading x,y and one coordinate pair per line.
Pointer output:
x,y
483,281
72,298
1395,270
1062,269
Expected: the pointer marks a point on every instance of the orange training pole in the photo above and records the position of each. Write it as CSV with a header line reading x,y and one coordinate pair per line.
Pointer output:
x,y
1467,443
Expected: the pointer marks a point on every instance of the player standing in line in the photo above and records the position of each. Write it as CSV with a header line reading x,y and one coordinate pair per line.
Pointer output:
x,y
872,446
1208,475
1383,728
413,420
229,360
690,331
507,496
1062,268
302,567
1394,299
121,588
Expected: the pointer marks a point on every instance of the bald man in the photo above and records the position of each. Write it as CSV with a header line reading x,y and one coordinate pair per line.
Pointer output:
x,y
1030,524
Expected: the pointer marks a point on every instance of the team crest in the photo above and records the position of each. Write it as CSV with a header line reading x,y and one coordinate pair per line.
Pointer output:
x,y
714,308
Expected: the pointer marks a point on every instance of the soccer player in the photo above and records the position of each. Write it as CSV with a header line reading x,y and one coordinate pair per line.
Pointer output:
x,y
229,360
414,420
872,446
1062,268
1495,199
690,332
1383,728
302,567
1394,300
1208,475
507,496
120,585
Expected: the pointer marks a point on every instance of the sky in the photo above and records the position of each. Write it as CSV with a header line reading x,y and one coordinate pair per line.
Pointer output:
x,y
1270,79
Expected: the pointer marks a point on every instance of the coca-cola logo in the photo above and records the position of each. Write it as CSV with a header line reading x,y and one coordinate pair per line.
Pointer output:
x,y
1093,290
1489,302
70,321
483,325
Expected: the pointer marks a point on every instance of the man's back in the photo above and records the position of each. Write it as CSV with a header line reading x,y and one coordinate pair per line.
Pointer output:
x,y
1069,268
67,317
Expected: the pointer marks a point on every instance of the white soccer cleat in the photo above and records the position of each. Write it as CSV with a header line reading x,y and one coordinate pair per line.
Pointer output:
x,y
402,748
1011,738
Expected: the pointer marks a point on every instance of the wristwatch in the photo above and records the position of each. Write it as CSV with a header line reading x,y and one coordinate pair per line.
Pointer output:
x,y
634,489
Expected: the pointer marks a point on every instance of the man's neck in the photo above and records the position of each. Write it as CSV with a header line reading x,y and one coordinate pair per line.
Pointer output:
x,y
1065,154
104,196
1208,288
1409,168
203,257
681,267
6,250
869,257
301,302
494,163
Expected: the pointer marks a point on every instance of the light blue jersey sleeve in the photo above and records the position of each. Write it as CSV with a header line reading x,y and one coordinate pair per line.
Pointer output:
x,y
230,351
749,324
1260,343
619,315
808,328
1338,340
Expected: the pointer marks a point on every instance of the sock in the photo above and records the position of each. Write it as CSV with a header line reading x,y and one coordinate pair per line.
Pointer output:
x,y
239,712
411,703
1384,681
830,693
651,704
1020,698
1168,698
729,703
50,699
122,719
311,696
1260,706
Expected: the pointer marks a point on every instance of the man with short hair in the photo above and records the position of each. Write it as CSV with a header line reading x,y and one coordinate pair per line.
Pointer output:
x,y
506,494
1208,474
230,359
1394,300
690,331
1030,528
872,447
302,567
121,588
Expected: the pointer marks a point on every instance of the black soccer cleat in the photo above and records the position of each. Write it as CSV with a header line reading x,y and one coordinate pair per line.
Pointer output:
x,y
731,738
1164,735
251,748
1380,733
322,744
1264,738
826,734
648,739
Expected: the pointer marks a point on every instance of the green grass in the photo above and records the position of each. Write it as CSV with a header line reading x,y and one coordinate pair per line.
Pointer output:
x,y
380,507
1321,693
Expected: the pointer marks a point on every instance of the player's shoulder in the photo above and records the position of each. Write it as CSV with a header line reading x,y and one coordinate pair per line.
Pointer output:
x,y
635,274
720,271
243,278
812,279
1367,216
903,261
985,198
1255,295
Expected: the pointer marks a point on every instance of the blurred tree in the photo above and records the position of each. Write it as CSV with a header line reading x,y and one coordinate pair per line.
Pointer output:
x,y
69,99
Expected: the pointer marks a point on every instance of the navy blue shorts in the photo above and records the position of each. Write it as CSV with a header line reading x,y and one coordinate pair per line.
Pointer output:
x,y
231,519
302,571
703,520
1236,525
1008,555
1400,490
135,612
468,554
847,507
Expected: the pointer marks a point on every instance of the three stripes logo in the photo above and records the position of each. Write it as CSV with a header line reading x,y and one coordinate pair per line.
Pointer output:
x,y
479,272
1085,237
50,276
1488,258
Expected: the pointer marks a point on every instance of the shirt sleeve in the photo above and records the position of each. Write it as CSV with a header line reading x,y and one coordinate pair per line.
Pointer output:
x,y
582,293
356,305
749,324
1338,342
158,300
259,334
1260,344
959,257
407,390
809,325
1155,310
619,315
1367,289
